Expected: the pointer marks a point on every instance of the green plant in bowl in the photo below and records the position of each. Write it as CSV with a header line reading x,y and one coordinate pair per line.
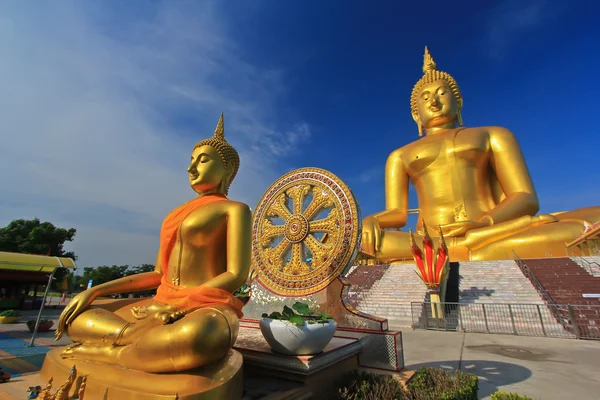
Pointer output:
x,y
9,316
298,330
43,321
299,314
10,313
44,325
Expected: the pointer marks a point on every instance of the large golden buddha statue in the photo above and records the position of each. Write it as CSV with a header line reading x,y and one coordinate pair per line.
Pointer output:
x,y
472,182
204,256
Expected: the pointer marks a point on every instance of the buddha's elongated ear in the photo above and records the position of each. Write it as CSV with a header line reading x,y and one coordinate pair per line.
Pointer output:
x,y
226,180
417,119
459,106
224,185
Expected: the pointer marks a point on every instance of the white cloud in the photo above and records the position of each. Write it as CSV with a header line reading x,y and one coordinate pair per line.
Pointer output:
x,y
93,102
375,173
512,18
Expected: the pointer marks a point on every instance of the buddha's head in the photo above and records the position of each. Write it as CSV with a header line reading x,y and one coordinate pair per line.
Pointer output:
x,y
435,100
214,163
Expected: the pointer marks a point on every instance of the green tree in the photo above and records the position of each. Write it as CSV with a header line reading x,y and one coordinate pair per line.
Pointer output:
x,y
35,237
72,280
102,274
105,273
139,269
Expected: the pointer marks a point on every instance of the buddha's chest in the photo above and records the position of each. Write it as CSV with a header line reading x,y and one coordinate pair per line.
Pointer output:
x,y
200,251
462,148
201,230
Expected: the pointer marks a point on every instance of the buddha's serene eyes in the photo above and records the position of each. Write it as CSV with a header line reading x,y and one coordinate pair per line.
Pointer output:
x,y
425,96
204,158
441,91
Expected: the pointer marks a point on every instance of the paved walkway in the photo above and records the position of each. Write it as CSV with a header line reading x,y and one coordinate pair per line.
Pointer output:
x,y
542,368
16,357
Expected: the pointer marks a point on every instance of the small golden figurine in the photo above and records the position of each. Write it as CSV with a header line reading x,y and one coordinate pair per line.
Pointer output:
x,y
63,391
81,391
472,182
204,257
45,393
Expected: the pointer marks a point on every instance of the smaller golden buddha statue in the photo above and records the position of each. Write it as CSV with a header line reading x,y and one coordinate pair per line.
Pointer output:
x,y
471,182
204,256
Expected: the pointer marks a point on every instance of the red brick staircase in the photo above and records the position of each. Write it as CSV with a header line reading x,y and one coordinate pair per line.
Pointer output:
x,y
566,282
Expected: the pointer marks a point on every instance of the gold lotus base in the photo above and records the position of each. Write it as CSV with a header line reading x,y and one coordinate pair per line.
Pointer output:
x,y
222,380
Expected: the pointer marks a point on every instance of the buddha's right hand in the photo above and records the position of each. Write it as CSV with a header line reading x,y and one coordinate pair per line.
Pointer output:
x,y
75,307
371,236
459,229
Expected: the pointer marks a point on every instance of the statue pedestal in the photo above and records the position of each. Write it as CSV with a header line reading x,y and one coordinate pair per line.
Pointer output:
x,y
381,348
317,373
222,380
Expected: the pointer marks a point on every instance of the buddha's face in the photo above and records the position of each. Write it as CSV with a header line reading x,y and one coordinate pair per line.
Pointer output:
x,y
436,105
206,170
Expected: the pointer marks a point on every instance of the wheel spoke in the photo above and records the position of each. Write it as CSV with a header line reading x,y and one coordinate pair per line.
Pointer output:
x,y
269,232
330,224
297,194
296,266
320,199
279,209
274,254
320,251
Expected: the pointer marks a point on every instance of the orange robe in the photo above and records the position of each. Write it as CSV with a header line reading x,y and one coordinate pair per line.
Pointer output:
x,y
190,297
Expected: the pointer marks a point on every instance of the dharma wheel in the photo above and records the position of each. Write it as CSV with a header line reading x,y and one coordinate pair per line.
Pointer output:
x,y
306,232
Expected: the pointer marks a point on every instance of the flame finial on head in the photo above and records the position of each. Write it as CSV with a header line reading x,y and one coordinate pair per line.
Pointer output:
x,y
428,63
220,129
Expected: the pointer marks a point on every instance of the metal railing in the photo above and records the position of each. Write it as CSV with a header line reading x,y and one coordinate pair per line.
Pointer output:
x,y
550,320
534,281
592,267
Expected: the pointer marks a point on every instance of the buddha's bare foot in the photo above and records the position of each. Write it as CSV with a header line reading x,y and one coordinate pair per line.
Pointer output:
x,y
169,318
134,330
545,218
145,311
139,312
103,354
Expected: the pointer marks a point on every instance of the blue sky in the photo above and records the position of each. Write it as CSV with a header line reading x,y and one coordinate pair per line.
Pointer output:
x,y
103,101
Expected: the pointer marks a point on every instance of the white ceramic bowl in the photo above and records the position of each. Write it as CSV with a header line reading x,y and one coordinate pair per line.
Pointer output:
x,y
287,338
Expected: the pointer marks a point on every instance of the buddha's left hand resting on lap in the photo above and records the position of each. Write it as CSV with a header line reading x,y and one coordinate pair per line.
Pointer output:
x,y
204,256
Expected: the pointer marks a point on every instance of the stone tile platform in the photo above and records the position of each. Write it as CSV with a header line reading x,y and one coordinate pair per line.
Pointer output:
x,y
267,375
257,353
314,375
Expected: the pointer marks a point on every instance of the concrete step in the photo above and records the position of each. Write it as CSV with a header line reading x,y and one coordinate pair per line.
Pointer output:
x,y
491,282
392,295
496,282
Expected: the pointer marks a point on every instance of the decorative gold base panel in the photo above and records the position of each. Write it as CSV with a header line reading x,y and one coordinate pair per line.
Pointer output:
x,y
222,380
